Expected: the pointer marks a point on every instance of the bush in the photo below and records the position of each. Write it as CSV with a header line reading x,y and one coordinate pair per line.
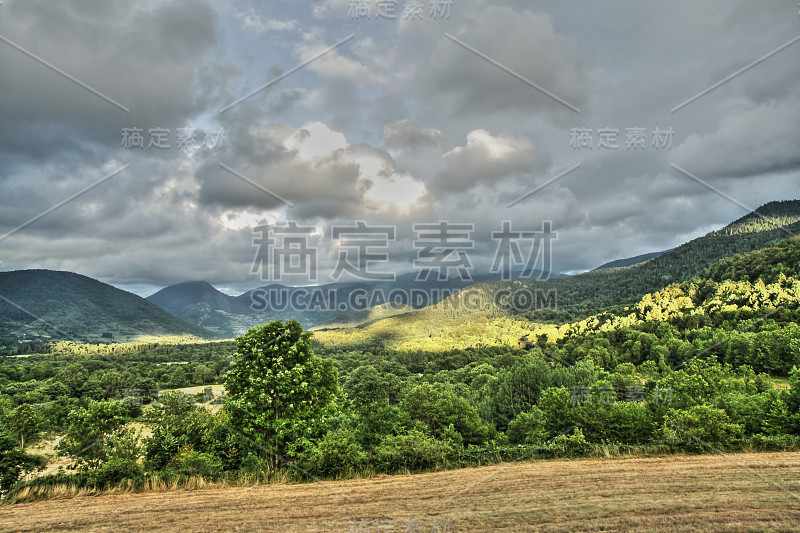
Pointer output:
x,y
618,422
160,448
412,451
336,453
14,462
527,428
123,458
132,406
189,462
572,444
699,428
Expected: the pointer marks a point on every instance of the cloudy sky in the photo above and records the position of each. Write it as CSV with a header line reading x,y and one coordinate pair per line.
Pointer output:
x,y
442,113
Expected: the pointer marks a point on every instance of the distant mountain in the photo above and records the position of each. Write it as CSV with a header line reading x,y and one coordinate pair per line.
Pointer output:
x,y
176,298
199,303
630,261
52,305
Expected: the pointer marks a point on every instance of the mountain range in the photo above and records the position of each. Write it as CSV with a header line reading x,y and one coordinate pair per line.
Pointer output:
x,y
48,305
199,303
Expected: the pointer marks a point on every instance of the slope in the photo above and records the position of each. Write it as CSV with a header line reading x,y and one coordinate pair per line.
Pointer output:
x,y
490,314
49,305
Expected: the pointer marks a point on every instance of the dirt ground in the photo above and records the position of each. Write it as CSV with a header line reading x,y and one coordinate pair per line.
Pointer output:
x,y
739,492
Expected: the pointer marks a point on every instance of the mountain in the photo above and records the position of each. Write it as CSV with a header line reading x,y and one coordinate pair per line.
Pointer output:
x,y
176,298
338,304
50,305
630,261
485,312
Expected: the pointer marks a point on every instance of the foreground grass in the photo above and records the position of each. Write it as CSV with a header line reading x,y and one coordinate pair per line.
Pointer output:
x,y
732,492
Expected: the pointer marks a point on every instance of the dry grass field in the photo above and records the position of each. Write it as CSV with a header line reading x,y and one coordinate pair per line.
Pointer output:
x,y
741,492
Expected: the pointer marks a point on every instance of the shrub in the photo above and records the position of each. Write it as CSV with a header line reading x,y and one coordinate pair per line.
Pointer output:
x,y
527,428
189,462
570,444
412,451
699,428
337,452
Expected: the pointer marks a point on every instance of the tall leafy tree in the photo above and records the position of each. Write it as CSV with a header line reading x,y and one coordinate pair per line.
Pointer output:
x,y
278,391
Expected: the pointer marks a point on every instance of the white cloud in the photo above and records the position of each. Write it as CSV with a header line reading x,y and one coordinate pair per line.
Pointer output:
x,y
315,139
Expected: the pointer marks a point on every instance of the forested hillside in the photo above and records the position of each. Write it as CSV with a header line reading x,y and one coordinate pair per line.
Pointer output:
x,y
50,305
489,313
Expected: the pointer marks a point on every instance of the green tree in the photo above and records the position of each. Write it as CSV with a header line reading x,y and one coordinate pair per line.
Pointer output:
x,y
89,429
278,391
438,406
700,427
13,461
527,428
27,422
202,375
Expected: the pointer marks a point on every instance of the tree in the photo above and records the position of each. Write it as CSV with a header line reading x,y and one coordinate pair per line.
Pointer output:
x,y
699,427
27,422
278,391
202,375
527,428
88,430
438,406
14,462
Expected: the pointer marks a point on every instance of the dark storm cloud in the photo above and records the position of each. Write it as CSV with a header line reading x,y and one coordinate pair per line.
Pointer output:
x,y
144,57
524,42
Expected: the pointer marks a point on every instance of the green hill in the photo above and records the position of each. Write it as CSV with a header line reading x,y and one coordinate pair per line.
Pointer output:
x,y
51,305
595,291
489,319
742,310
629,261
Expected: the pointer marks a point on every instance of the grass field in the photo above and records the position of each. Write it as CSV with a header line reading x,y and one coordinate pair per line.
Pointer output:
x,y
737,492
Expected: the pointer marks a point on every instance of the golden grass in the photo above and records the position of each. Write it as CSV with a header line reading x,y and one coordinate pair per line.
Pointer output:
x,y
738,492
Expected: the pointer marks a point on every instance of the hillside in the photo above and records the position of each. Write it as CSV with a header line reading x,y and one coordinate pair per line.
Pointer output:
x,y
364,317
630,261
742,310
49,305
488,320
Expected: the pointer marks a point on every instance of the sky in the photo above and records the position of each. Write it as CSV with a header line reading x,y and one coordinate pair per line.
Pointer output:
x,y
631,127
